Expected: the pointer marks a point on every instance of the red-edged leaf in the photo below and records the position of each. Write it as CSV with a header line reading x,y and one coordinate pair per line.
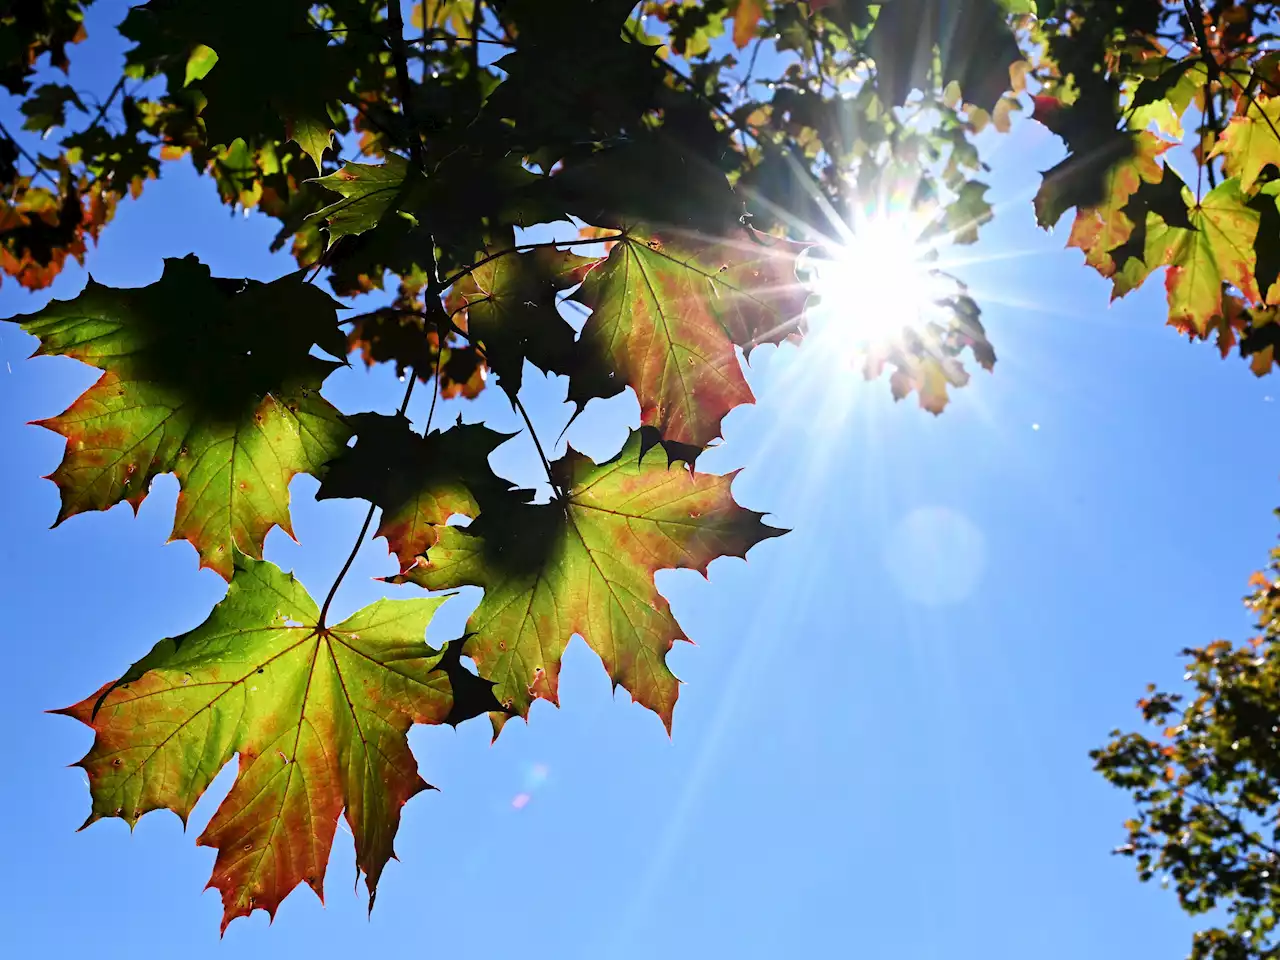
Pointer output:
x,y
667,312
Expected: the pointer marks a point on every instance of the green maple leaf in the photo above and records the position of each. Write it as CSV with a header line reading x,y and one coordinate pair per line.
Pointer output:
x,y
263,70
47,107
317,715
667,312
1153,208
1218,250
368,191
584,565
418,482
510,308
209,379
1164,98
1250,142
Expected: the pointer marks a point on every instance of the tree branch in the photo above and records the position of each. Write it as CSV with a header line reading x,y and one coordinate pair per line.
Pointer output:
x,y
364,527
405,82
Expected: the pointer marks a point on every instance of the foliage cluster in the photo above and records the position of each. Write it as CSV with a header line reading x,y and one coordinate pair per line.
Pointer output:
x,y
710,151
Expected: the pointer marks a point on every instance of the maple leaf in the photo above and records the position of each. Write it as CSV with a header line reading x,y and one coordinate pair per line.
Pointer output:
x,y
1218,250
584,564
1164,98
508,305
1100,229
667,312
418,482
1153,208
1082,179
368,191
573,72
926,358
1250,142
433,14
318,716
393,335
274,79
225,397
47,107
1261,339
30,30
746,17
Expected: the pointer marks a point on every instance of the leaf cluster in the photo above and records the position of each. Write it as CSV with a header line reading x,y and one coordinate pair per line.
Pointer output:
x,y
709,153
1205,780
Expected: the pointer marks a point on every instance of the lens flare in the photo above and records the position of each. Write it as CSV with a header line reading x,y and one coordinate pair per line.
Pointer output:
x,y
883,278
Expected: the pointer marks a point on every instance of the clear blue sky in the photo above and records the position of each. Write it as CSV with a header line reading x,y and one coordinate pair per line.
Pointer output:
x,y
881,748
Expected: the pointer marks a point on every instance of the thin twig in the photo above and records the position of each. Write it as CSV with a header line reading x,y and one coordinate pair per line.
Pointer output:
x,y
436,390
743,87
39,170
546,464
364,527
1253,102
106,105
449,38
1250,836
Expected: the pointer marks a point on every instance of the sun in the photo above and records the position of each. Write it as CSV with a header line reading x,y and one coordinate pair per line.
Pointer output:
x,y
880,279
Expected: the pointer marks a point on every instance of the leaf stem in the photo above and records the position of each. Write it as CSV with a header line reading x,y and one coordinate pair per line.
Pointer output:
x,y
546,464
449,38
522,248
39,170
436,389
364,527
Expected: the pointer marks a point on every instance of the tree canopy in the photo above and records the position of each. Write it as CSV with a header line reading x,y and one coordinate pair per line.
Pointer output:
x,y
715,156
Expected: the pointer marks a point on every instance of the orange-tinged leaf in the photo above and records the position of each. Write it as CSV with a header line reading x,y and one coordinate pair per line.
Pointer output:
x,y
318,717
667,312
508,305
226,397
418,482
1250,142
584,565
1100,229
1219,250
746,18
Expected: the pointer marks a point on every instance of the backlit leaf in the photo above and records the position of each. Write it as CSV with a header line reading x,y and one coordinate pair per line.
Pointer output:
x,y
418,482
746,17
667,312
318,717
584,565
1251,142
1218,250
209,379
1099,230
509,306
368,191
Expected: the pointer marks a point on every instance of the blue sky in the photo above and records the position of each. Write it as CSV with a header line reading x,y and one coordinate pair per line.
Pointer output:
x,y
881,749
